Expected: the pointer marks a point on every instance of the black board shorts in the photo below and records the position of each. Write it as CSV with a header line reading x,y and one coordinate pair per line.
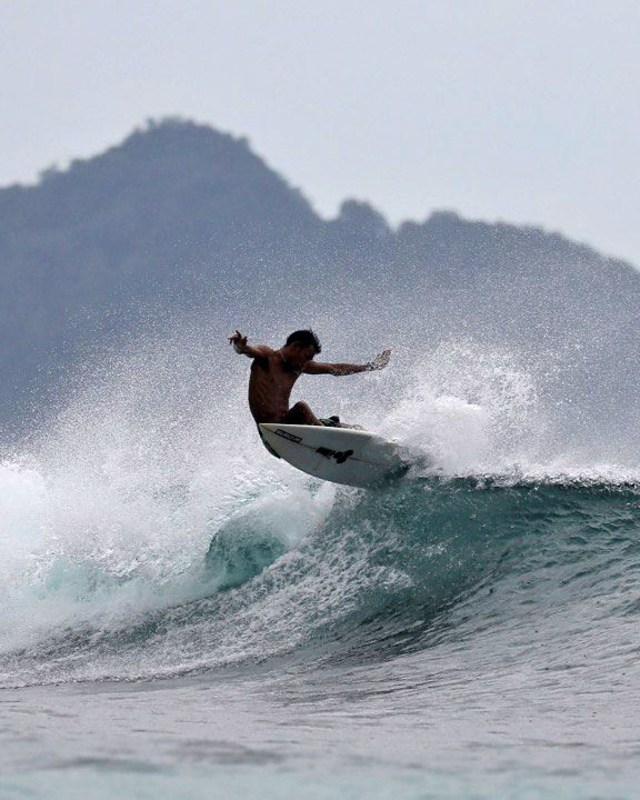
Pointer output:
x,y
266,444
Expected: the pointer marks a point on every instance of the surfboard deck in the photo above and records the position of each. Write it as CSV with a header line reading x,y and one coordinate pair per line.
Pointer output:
x,y
342,455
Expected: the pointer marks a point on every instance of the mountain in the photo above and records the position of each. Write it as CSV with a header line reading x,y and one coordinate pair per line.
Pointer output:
x,y
182,211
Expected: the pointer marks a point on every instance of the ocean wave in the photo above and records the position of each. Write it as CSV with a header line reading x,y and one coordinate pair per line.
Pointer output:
x,y
147,534
418,565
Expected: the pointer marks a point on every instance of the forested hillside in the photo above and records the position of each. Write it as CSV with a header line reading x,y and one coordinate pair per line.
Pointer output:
x,y
181,210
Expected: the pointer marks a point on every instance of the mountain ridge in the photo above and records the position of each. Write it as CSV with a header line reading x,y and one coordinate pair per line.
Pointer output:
x,y
181,207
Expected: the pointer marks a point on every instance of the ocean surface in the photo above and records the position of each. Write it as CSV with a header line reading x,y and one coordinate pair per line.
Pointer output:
x,y
185,616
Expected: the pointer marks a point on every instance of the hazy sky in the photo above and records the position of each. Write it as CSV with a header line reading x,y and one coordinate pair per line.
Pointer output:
x,y
523,110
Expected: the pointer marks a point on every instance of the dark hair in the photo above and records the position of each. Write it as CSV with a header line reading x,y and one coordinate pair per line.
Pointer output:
x,y
306,338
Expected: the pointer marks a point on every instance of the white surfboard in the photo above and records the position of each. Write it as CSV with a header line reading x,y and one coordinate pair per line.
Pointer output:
x,y
341,455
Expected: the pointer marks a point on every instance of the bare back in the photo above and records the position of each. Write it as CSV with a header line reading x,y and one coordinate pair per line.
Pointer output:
x,y
270,385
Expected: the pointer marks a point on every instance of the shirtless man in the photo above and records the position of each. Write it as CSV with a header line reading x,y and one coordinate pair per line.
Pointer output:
x,y
274,372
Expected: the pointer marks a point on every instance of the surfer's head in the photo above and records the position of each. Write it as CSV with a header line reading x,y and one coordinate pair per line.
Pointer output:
x,y
304,339
302,346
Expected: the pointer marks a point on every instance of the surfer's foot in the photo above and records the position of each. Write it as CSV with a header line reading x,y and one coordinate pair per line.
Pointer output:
x,y
331,422
334,422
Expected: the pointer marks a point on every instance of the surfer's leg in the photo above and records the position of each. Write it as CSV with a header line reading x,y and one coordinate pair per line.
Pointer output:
x,y
300,414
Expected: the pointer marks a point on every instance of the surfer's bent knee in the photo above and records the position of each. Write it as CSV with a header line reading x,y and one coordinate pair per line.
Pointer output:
x,y
300,414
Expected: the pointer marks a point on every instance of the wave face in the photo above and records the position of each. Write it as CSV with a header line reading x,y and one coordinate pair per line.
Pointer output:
x,y
147,534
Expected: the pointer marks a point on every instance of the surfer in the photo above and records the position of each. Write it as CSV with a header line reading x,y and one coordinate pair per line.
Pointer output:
x,y
274,373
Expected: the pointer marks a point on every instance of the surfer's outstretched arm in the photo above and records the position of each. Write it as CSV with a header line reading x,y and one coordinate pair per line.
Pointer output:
x,y
240,345
319,368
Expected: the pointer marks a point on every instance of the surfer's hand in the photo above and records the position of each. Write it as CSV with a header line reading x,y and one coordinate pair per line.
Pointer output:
x,y
238,341
380,361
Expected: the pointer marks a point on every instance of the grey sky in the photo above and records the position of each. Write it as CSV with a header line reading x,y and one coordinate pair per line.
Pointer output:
x,y
523,110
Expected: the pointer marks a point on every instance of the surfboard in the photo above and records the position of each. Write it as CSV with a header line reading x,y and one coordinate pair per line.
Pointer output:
x,y
342,455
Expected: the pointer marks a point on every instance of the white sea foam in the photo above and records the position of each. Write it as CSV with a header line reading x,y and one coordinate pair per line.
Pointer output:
x,y
109,514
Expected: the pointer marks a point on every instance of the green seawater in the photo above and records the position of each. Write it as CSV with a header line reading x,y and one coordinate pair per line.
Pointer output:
x,y
468,638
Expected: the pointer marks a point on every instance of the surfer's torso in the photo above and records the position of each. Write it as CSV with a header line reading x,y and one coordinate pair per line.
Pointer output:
x,y
272,379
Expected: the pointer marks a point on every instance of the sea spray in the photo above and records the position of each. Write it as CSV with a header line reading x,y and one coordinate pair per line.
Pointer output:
x,y
109,513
